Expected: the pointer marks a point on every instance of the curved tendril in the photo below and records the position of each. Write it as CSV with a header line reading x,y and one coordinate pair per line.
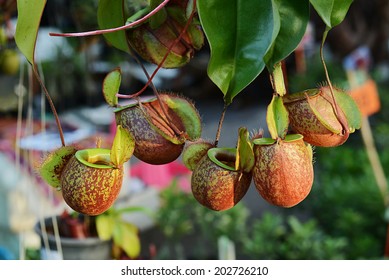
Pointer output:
x,y
110,30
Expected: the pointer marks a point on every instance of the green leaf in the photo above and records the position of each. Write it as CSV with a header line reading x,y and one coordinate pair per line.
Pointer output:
x,y
294,17
111,85
350,110
293,137
264,141
160,17
131,209
239,34
332,12
110,14
104,226
244,152
125,236
194,152
53,164
277,118
189,8
29,17
139,14
122,147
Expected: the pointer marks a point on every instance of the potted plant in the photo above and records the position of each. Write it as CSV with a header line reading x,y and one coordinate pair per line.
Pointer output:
x,y
105,236
74,238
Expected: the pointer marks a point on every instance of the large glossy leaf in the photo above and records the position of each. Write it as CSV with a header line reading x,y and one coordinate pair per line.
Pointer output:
x,y
29,18
239,33
332,12
294,17
110,14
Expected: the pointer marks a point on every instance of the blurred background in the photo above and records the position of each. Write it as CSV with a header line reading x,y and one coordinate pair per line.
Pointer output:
x,y
344,216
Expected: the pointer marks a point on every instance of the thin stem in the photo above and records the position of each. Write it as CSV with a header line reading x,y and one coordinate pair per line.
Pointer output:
x,y
150,82
138,61
110,30
175,42
150,78
52,107
341,119
324,63
373,155
219,128
142,66
379,173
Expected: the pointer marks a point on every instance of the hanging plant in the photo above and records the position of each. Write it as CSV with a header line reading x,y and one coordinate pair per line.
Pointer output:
x,y
222,176
89,179
245,38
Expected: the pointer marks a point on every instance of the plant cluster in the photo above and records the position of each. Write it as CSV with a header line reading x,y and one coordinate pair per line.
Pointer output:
x,y
245,37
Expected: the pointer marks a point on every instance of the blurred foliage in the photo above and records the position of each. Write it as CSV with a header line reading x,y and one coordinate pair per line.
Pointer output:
x,y
301,81
33,254
174,218
276,237
182,217
273,236
379,121
83,14
346,202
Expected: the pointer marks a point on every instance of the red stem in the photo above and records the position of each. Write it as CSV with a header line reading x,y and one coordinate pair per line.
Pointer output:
x,y
335,105
110,30
51,104
219,128
165,56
